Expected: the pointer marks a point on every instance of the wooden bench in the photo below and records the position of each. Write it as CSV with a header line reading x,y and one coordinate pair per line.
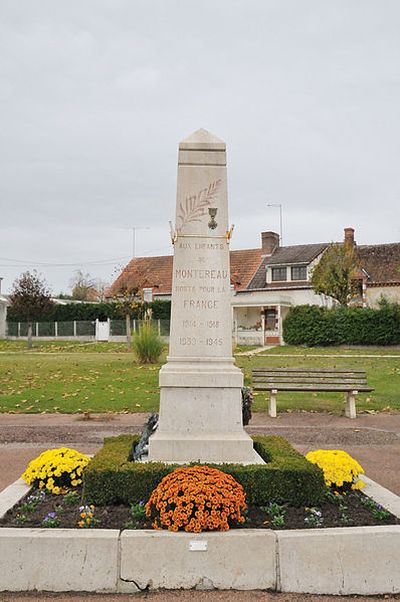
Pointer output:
x,y
350,382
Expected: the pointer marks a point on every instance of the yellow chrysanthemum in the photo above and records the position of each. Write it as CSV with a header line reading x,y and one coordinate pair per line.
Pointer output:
x,y
55,469
338,466
358,484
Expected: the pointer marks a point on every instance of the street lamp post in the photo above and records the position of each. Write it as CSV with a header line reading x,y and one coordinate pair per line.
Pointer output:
x,y
134,228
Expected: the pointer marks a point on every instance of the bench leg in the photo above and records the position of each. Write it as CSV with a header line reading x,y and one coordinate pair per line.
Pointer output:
x,y
350,410
272,403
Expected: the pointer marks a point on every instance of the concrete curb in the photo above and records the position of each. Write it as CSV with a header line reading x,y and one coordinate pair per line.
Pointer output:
x,y
11,495
338,561
237,559
382,496
59,560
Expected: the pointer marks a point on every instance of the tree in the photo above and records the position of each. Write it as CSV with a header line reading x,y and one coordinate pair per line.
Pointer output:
x,y
30,297
129,301
101,287
83,287
336,273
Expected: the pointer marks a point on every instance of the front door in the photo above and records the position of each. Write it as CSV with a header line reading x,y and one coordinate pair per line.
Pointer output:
x,y
271,326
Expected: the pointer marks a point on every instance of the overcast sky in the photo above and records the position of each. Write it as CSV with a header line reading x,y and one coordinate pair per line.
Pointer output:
x,y
96,95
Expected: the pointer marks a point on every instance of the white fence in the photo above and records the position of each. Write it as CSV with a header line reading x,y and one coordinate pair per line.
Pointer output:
x,y
84,330
110,330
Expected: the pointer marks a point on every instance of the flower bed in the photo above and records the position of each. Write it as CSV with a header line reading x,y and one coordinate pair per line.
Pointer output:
x,y
65,511
198,498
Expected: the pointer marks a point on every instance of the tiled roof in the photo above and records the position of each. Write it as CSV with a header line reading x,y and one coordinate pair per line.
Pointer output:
x,y
286,255
296,254
146,272
259,278
244,263
381,262
156,272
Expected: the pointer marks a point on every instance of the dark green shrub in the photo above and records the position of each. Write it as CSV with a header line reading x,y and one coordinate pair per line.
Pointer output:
x,y
312,326
286,477
160,310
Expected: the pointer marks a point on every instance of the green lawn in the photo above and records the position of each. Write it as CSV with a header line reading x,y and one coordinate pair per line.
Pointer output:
x,y
75,380
99,377
61,347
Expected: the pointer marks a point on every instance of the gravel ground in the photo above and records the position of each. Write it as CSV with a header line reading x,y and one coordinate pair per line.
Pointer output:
x,y
373,439
186,596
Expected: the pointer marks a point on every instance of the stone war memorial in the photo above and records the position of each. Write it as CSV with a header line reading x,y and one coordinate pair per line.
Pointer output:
x,y
210,507
200,387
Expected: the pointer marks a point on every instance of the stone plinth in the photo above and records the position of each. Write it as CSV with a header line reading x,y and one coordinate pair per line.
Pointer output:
x,y
200,398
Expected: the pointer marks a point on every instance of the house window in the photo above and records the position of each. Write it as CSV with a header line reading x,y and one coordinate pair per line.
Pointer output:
x,y
148,295
299,272
279,274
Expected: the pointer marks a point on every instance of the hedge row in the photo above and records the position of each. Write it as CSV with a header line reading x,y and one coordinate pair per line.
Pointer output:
x,y
161,310
286,477
312,326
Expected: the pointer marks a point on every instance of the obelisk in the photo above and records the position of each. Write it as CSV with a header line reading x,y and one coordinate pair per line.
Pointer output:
x,y
200,387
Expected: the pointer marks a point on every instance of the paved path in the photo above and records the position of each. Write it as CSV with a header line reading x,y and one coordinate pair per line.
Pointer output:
x,y
257,350
189,596
373,439
326,355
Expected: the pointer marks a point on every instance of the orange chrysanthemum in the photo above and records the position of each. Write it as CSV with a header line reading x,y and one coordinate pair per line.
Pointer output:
x,y
195,499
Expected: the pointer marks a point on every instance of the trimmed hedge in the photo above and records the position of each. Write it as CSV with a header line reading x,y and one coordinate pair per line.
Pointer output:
x,y
286,477
312,325
161,310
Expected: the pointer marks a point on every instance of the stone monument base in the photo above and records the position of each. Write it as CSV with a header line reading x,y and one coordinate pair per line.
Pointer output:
x,y
201,423
213,448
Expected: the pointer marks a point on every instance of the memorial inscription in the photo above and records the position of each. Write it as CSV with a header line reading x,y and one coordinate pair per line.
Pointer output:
x,y
201,290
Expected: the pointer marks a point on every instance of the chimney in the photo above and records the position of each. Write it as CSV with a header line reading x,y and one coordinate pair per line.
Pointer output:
x,y
349,237
269,242
1,279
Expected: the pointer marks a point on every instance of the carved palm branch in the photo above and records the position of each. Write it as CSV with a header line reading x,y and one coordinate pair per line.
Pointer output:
x,y
194,206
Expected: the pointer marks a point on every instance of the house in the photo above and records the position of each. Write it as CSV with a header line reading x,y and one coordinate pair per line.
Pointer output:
x,y
266,282
381,272
282,279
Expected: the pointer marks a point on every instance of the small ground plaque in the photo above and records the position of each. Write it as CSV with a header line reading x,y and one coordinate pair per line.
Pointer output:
x,y
198,545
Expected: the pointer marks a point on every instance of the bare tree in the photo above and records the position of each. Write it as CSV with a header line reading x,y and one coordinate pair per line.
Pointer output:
x,y
101,288
83,286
